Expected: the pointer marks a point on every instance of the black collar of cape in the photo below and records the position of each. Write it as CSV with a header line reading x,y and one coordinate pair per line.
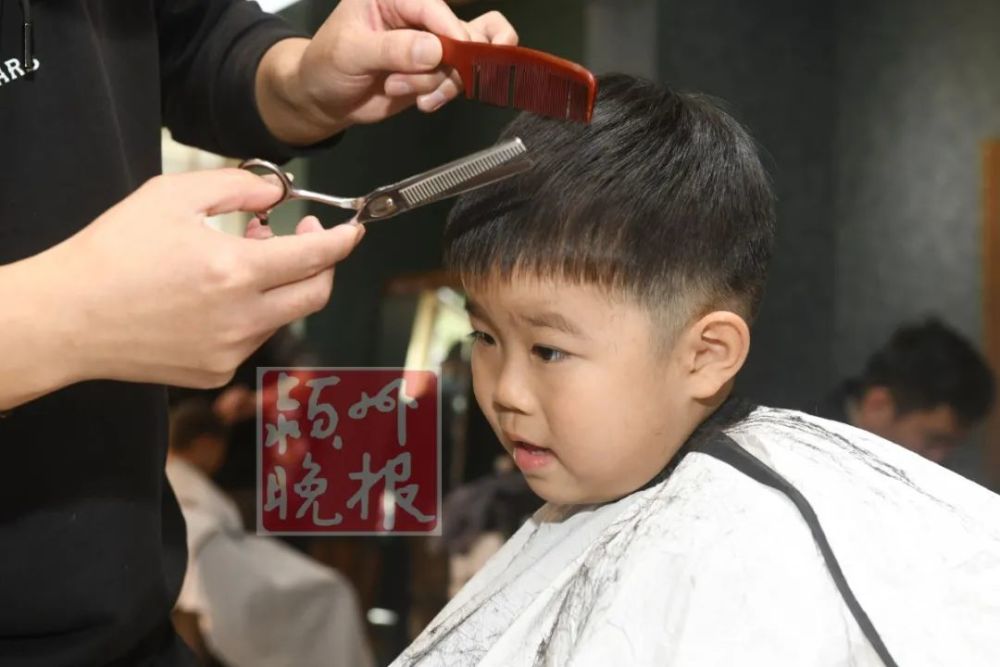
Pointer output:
x,y
711,439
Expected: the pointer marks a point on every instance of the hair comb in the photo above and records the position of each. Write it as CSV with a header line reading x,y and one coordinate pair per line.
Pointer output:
x,y
513,76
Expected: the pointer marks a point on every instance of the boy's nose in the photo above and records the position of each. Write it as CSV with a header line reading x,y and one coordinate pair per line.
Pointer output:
x,y
512,393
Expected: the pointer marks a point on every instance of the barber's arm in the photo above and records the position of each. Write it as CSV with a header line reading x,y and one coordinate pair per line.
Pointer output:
x,y
209,53
34,359
368,61
240,82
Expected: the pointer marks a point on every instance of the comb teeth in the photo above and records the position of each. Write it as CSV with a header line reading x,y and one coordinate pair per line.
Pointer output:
x,y
460,174
536,89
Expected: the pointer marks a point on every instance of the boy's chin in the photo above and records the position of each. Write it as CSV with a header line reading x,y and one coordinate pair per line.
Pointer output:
x,y
562,493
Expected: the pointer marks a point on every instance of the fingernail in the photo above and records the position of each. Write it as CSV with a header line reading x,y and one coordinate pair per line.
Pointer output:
x,y
361,231
432,101
427,51
398,87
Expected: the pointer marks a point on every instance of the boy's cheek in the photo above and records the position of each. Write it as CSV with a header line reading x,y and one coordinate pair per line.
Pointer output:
x,y
481,390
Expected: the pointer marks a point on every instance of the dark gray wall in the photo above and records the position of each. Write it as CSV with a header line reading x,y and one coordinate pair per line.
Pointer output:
x,y
771,61
918,91
622,36
871,115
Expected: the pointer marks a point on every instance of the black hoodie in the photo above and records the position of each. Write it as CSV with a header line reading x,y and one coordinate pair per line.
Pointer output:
x,y
91,539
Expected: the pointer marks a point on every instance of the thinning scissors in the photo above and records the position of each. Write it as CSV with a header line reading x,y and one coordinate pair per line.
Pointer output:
x,y
449,180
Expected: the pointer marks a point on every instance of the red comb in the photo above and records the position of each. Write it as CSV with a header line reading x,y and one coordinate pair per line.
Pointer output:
x,y
512,76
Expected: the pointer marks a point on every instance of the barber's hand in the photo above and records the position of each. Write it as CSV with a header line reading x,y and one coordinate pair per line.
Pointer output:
x,y
157,296
369,60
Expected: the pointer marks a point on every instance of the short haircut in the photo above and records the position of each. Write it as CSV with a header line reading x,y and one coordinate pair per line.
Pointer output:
x,y
662,199
926,365
192,419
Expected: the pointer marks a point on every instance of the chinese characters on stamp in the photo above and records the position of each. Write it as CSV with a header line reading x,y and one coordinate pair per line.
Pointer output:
x,y
348,451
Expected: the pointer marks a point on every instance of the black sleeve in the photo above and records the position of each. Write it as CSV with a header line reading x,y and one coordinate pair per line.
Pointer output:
x,y
209,53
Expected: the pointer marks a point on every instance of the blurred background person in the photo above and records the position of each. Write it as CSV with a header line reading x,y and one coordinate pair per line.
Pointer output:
x,y
480,516
235,405
249,600
925,389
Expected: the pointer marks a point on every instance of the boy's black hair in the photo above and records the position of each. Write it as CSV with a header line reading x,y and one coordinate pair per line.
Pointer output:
x,y
927,364
661,198
192,419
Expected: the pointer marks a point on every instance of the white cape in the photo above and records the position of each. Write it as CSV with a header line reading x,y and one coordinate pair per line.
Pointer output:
x,y
711,567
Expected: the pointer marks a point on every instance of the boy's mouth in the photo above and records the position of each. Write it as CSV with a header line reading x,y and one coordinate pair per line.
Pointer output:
x,y
529,457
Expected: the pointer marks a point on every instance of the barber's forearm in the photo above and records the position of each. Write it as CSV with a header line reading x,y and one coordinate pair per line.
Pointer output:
x,y
284,103
37,336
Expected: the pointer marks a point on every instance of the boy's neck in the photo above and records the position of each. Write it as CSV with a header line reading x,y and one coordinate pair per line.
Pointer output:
x,y
722,411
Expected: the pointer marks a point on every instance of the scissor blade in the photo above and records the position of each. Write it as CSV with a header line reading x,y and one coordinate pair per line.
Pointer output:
x,y
455,178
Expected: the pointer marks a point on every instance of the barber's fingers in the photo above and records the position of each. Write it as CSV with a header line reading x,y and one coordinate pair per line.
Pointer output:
x,y
446,92
309,224
293,301
429,91
434,89
410,85
399,51
258,230
283,260
490,28
494,28
432,15
215,191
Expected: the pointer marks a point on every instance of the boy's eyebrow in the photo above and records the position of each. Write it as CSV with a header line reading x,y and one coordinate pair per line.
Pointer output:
x,y
553,320
472,308
545,319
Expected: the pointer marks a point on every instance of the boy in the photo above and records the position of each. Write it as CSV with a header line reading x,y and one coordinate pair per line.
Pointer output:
x,y
610,289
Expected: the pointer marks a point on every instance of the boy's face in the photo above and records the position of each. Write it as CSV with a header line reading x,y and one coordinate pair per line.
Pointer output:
x,y
576,388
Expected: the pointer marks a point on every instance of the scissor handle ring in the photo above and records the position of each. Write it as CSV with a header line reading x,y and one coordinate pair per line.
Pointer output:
x,y
263,167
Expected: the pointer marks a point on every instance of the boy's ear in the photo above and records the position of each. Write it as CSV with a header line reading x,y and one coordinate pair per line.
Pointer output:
x,y
716,348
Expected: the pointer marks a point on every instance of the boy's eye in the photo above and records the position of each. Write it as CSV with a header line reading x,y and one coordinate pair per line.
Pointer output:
x,y
548,354
481,337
